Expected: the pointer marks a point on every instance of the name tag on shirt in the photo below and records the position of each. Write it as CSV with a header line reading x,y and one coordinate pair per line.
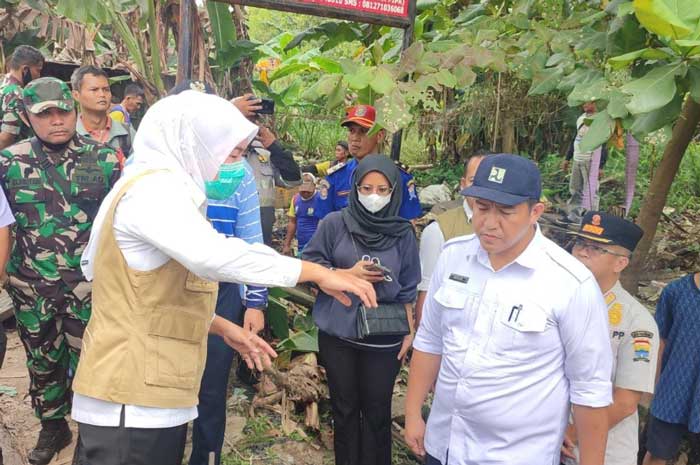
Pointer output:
x,y
456,289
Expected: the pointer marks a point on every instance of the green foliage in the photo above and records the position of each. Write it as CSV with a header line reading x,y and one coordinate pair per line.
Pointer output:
x,y
683,195
304,337
446,173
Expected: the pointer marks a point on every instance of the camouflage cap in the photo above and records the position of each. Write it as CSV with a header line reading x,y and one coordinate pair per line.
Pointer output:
x,y
47,92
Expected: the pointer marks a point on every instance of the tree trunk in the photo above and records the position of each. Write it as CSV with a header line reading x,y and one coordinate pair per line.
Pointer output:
x,y
508,139
660,185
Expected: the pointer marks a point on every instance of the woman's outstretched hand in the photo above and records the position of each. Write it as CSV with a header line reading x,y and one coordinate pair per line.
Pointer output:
x,y
255,352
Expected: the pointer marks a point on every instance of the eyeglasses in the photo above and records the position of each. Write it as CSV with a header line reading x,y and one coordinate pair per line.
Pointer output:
x,y
366,189
595,249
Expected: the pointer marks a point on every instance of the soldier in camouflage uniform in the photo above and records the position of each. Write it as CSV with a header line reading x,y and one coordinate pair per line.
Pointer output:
x,y
54,183
25,64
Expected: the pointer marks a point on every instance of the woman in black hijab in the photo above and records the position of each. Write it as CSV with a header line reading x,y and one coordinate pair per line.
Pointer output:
x,y
369,240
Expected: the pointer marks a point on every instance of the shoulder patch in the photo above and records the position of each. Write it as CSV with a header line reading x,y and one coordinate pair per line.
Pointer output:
x,y
335,168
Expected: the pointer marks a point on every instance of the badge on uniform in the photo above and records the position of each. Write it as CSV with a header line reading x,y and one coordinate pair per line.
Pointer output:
x,y
642,345
615,314
323,187
411,185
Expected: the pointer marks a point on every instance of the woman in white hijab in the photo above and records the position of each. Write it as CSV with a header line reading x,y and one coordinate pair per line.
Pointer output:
x,y
155,261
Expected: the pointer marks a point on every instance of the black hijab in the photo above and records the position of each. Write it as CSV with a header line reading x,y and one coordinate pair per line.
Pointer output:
x,y
381,230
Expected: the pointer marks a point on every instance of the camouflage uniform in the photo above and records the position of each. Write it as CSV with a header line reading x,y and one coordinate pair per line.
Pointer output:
x,y
11,108
55,197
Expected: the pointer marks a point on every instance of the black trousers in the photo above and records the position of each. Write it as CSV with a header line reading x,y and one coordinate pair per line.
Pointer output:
x,y
102,445
361,384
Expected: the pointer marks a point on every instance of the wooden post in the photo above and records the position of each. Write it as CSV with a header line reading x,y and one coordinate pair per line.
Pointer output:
x,y
188,11
407,41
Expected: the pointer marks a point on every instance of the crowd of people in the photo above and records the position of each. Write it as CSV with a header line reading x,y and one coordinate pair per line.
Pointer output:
x,y
138,262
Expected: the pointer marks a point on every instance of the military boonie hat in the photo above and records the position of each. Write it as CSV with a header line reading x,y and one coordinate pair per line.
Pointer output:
x,y
609,229
364,115
47,92
506,179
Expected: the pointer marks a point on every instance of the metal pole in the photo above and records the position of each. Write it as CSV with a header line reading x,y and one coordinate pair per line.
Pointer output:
x,y
407,41
188,11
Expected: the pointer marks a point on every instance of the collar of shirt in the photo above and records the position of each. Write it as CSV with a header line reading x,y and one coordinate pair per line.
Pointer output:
x,y
529,258
10,79
103,136
467,210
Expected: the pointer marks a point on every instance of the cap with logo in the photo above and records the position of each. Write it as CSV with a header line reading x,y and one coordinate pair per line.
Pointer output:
x,y
364,115
308,183
609,229
45,93
506,179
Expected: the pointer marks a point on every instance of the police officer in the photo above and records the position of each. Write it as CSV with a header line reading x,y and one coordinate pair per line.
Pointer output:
x,y
25,63
272,166
333,192
604,243
54,183
514,330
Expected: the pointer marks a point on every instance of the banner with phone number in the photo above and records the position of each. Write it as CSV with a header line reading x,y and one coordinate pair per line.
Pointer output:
x,y
380,7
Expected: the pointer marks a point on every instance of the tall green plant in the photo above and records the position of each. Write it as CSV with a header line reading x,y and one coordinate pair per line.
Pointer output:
x,y
113,13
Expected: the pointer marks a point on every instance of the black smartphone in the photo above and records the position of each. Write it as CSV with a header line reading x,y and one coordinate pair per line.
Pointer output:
x,y
268,107
375,267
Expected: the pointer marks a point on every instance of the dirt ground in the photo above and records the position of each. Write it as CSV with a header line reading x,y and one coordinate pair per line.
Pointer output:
x,y
19,427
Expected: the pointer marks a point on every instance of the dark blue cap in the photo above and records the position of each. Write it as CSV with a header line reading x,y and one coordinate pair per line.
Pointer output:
x,y
506,179
603,227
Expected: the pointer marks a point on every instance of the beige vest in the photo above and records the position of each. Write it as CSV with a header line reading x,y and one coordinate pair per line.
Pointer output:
x,y
454,223
146,342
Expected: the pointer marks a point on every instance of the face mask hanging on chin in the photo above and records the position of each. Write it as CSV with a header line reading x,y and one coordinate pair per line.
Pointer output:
x,y
373,202
230,177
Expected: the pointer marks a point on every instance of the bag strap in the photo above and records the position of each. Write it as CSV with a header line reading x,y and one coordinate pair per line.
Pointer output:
x,y
50,169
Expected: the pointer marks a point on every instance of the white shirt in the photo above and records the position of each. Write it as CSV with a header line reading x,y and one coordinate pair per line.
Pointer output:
x,y
431,242
160,218
517,345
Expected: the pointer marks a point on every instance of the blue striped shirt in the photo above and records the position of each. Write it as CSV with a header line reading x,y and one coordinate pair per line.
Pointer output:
x,y
239,216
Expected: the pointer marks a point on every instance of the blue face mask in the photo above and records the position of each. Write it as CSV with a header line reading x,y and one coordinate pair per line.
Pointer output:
x,y
230,177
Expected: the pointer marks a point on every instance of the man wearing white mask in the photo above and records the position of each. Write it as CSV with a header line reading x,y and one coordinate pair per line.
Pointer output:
x,y
449,224
155,262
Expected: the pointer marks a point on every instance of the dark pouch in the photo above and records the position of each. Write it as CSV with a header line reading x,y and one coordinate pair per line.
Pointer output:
x,y
385,320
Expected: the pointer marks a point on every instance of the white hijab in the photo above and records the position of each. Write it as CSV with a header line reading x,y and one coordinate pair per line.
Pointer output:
x,y
192,133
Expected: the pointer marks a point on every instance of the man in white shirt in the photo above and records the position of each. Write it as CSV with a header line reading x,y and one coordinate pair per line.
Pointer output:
x,y
155,261
514,330
449,224
604,244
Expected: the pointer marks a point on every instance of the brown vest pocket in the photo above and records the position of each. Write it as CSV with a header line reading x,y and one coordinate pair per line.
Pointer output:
x,y
174,348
